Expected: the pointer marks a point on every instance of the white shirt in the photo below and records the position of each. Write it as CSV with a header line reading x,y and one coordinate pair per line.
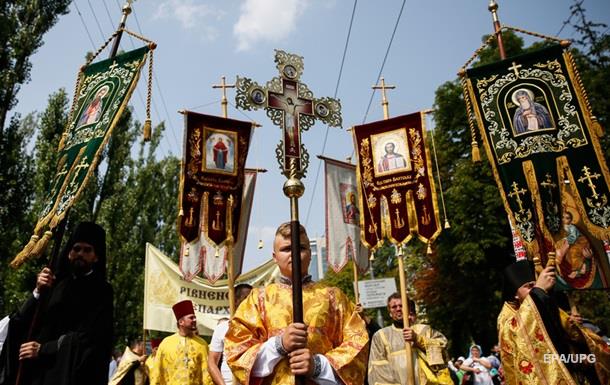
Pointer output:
x,y
268,357
217,345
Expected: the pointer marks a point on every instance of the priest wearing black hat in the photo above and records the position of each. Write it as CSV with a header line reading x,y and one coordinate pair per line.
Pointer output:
x,y
63,333
182,358
539,342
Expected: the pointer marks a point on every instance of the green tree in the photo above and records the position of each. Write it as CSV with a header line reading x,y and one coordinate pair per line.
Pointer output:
x,y
22,26
16,179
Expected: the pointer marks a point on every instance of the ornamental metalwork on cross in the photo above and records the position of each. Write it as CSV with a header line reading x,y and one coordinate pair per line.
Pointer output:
x,y
290,105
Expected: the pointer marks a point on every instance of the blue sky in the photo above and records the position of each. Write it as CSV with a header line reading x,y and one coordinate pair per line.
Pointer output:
x,y
200,41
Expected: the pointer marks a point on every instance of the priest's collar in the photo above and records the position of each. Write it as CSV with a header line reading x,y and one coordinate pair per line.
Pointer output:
x,y
398,324
287,281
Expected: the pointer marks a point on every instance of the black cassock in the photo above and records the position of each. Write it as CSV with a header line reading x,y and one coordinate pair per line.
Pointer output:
x,y
74,327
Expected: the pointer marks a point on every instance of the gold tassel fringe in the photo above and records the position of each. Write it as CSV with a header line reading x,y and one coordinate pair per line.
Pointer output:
x,y
447,226
42,244
25,252
476,156
429,251
147,130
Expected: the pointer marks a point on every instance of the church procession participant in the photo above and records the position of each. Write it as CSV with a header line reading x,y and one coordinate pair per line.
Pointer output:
x,y
131,370
149,364
387,361
182,358
264,344
71,307
539,342
221,375
477,367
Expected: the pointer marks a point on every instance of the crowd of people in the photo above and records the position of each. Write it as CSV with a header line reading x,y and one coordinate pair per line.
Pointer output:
x,y
62,335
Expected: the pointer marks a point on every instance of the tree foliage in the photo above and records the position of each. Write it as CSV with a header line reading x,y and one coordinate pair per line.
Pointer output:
x,y
22,26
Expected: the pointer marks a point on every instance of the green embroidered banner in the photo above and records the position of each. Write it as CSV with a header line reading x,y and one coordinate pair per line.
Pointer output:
x,y
542,141
103,91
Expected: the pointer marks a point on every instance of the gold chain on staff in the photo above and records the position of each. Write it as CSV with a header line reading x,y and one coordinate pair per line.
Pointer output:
x,y
152,45
438,173
476,156
505,28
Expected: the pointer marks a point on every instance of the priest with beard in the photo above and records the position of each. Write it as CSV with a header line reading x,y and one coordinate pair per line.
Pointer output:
x,y
62,335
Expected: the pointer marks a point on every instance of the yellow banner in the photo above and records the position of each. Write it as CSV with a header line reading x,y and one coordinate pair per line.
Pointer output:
x,y
164,286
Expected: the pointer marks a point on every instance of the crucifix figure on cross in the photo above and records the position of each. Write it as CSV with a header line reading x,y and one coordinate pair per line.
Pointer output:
x,y
290,105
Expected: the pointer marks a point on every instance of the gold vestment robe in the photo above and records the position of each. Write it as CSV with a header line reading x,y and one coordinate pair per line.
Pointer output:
x,y
334,330
525,344
388,362
181,361
127,360
149,366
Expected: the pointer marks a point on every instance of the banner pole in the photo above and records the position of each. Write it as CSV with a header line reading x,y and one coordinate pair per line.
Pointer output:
x,y
356,291
405,313
493,8
117,39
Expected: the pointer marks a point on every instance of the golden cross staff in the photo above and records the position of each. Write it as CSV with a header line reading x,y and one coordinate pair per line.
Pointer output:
x,y
292,106
384,99
223,101
229,243
399,253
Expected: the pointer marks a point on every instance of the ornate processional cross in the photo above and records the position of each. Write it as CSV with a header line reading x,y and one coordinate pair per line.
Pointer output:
x,y
515,193
290,105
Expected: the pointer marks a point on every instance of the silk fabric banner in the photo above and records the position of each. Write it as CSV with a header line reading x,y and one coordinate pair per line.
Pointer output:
x,y
164,286
395,181
343,217
103,92
542,141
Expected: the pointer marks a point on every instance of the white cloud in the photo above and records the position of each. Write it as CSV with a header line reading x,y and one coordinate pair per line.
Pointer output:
x,y
266,20
190,15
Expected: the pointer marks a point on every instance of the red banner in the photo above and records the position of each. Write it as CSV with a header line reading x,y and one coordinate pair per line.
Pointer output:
x,y
397,194
212,178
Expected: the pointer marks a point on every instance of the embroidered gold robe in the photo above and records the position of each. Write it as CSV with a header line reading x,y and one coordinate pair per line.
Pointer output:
x,y
181,361
128,359
334,330
149,366
528,354
388,364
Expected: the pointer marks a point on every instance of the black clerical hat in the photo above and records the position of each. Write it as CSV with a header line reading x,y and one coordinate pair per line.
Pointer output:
x,y
515,276
92,234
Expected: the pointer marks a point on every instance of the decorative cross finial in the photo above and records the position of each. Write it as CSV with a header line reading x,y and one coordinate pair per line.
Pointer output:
x,y
223,101
290,105
515,67
384,99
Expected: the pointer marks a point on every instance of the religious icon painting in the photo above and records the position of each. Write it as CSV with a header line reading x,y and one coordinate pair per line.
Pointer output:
x,y
527,108
395,183
219,155
578,252
92,111
349,204
391,152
